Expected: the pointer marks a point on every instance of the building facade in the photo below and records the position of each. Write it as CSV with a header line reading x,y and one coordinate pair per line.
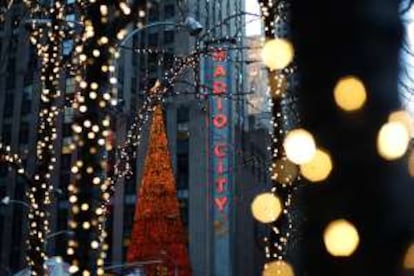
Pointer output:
x,y
220,240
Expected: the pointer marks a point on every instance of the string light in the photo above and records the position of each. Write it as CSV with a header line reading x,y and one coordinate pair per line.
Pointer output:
x,y
12,159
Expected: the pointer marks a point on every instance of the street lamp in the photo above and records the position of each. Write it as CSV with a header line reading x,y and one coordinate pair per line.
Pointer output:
x,y
6,201
56,234
45,22
132,264
193,27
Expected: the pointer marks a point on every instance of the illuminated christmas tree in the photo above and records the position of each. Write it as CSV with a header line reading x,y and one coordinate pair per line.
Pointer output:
x,y
158,232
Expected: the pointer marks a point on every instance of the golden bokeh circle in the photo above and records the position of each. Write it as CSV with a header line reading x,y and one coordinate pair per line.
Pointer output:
x,y
278,268
299,146
341,238
266,207
350,93
319,168
277,53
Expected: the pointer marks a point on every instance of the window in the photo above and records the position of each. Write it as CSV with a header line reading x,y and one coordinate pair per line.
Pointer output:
x,y
4,170
168,60
67,129
153,12
11,72
8,105
24,133
68,115
64,181
169,11
133,85
67,47
168,37
15,21
65,162
20,189
17,243
183,114
6,134
62,224
26,100
70,86
153,39
182,171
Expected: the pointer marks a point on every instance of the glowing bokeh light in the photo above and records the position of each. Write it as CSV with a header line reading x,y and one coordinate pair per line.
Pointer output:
x,y
392,141
277,53
403,117
278,268
319,168
409,257
341,238
300,146
266,207
350,93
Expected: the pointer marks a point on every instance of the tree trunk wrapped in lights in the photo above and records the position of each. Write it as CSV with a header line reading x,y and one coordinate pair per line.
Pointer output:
x,y
47,40
104,23
158,231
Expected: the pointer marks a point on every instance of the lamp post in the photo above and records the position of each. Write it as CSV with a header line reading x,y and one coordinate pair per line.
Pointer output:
x,y
192,26
7,201
133,264
56,234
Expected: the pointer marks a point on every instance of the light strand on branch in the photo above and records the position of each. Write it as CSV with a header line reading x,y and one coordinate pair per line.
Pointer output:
x,y
11,159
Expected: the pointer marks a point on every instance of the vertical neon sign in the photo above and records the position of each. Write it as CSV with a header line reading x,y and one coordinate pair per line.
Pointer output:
x,y
220,136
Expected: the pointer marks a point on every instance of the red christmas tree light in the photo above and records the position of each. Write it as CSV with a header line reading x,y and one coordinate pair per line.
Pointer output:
x,y
158,231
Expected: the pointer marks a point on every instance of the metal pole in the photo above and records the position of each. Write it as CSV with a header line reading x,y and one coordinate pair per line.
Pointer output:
x,y
7,201
126,265
155,24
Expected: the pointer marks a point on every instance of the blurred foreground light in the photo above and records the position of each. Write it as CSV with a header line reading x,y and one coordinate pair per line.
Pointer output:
x,y
284,171
409,257
350,93
266,207
411,163
300,146
392,141
277,53
341,238
319,168
403,117
278,268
